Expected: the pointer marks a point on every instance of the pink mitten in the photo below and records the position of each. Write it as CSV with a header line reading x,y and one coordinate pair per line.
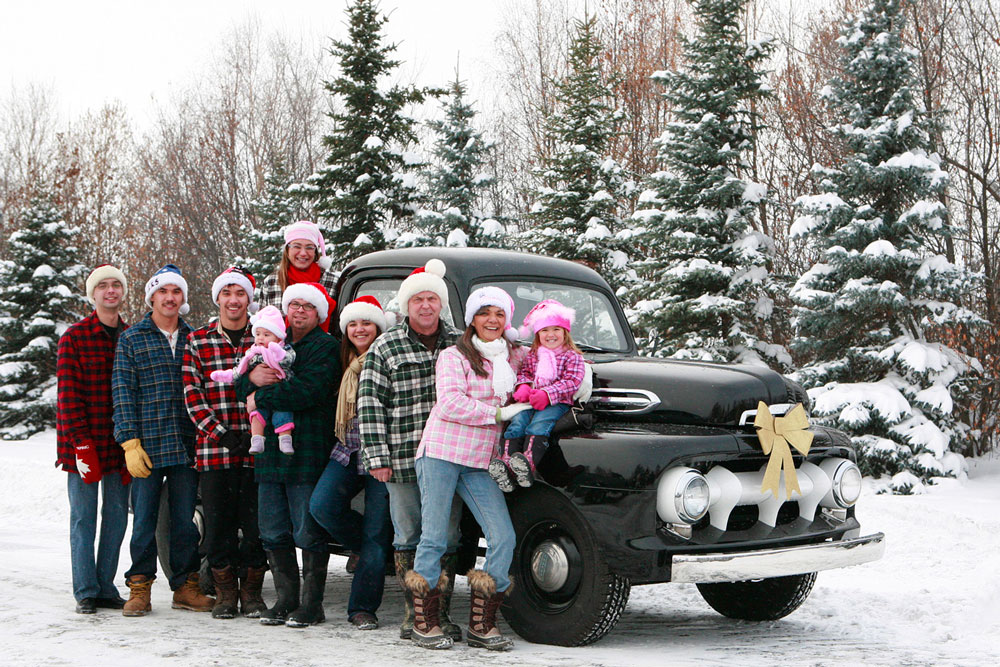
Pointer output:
x,y
522,393
539,399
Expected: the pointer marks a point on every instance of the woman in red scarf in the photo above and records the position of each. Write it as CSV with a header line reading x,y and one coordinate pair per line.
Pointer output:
x,y
303,260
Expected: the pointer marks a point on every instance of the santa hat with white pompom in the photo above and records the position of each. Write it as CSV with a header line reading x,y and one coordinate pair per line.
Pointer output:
x,y
428,278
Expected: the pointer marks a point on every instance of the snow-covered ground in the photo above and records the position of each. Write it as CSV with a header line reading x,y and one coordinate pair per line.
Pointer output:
x,y
934,599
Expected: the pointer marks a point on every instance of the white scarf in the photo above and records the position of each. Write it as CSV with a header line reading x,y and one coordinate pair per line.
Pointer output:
x,y
497,354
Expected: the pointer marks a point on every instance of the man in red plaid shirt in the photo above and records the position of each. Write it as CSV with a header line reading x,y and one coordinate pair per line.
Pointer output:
x,y
228,489
86,446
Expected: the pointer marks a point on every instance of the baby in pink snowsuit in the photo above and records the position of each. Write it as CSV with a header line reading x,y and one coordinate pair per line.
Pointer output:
x,y
269,348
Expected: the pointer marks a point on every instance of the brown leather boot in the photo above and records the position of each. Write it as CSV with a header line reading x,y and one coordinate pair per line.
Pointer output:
x,y
138,598
226,593
190,597
251,601
486,600
427,632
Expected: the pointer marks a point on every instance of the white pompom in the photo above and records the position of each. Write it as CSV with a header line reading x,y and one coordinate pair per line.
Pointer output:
x,y
253,307
510,333
325,262
435,266
184,309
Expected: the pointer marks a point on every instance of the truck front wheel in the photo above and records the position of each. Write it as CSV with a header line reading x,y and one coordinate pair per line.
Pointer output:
x,y
564,592
760,599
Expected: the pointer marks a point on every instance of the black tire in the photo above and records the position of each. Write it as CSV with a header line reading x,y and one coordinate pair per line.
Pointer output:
x,y
761,599
589,602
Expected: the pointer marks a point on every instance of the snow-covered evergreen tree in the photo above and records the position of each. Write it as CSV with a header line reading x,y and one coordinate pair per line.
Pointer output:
x,y
704,290
457,178
865,309
577,208
41,294
262,237
369,180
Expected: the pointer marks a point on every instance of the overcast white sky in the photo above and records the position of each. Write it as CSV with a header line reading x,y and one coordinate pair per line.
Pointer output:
x,y
93,51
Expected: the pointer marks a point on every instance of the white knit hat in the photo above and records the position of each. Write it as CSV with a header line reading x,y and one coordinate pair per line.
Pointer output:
x,y
491,296
303,230
103,272
168,275
428,278
236,275
363,308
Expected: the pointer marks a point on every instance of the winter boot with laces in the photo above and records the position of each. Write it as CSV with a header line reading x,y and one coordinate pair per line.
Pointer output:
x,y
500,467
190,597
138,600
486,600
427,632
226,592
251,601
523,464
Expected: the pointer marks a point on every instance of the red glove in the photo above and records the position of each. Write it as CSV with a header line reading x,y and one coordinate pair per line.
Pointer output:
x,y
539,399
87,463
522,393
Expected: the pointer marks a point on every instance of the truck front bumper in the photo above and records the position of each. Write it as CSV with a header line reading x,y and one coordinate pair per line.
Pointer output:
x,y
740,566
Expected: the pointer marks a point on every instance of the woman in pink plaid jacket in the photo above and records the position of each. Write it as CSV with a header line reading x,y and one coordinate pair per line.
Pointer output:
x,y
475,380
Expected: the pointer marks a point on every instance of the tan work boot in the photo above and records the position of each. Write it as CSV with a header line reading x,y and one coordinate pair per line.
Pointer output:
x,y
189,596
138,599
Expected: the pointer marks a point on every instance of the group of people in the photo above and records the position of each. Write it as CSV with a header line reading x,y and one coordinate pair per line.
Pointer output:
x,y
282,423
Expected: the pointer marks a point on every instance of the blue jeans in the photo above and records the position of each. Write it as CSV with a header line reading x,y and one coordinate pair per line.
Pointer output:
x,y
278,418
439,481
96,578
535,422
369,535
182,488
284,519
405,509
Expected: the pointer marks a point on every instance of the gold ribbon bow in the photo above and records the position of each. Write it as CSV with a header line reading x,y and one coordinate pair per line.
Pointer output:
x,y
775,435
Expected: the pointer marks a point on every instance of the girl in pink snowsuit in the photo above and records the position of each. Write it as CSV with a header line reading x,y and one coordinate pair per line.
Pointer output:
x,y
269,348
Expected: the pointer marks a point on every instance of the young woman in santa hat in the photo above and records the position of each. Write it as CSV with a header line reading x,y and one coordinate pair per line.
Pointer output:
x,y
370,535
303,260
475,379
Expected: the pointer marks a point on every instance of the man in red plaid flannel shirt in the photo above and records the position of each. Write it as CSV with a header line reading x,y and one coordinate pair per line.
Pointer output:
x,y
86,446
228,489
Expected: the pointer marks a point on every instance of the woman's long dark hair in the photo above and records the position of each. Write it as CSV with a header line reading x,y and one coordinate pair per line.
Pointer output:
x,y
466,347
349,351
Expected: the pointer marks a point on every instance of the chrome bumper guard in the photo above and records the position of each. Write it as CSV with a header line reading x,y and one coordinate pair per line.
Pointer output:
x,y
721,567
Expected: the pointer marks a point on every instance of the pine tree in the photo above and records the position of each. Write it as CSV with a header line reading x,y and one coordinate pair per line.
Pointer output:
x,y
40,296
704,290
865,310
456,179
577,207
368,182
262,237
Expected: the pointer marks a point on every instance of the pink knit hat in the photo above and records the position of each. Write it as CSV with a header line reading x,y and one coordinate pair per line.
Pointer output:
x,y
303,230
269,318
548,313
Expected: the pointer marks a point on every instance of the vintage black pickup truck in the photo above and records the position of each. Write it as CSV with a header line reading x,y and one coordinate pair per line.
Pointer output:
x,y
665,484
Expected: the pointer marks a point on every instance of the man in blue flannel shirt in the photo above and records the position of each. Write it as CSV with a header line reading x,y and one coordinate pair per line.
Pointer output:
x,y
153,427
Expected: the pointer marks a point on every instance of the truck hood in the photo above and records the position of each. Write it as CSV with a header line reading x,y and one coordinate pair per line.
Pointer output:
x,y
688,392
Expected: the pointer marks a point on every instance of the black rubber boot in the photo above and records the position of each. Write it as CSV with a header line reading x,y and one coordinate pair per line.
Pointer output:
x,y
310,612
285,572
523,465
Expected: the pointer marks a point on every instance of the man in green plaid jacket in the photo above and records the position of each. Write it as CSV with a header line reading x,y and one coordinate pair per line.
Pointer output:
x,y
396,392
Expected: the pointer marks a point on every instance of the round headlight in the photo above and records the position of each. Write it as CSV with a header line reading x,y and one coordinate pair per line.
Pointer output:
x,y
847,484
692,496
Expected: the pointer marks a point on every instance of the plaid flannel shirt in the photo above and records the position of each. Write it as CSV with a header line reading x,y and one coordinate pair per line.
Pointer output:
x,y
147,385
83,406
269,294
344,449
462,427
213,406
570,370
395,397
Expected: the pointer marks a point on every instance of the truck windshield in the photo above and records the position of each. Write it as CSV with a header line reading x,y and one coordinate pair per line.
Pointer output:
x,y
596,327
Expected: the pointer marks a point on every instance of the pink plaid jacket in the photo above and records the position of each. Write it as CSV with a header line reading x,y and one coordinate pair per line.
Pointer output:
x,y
462,427
570,370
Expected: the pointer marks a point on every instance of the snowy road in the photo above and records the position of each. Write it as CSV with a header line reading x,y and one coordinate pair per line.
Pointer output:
x,y
933,599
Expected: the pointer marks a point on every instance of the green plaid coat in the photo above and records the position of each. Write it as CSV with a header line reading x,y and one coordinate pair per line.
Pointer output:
x,y
396,392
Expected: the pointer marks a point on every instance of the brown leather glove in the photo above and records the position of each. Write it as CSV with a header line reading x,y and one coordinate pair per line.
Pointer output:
x,y
136,459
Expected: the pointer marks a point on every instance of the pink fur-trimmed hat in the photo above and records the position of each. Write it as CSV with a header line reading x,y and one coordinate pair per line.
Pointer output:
x,y
548,313
269,318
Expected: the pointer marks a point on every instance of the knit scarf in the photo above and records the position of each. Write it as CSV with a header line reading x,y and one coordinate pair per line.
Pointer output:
x,y
347,400
545,373
309,275
496,353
